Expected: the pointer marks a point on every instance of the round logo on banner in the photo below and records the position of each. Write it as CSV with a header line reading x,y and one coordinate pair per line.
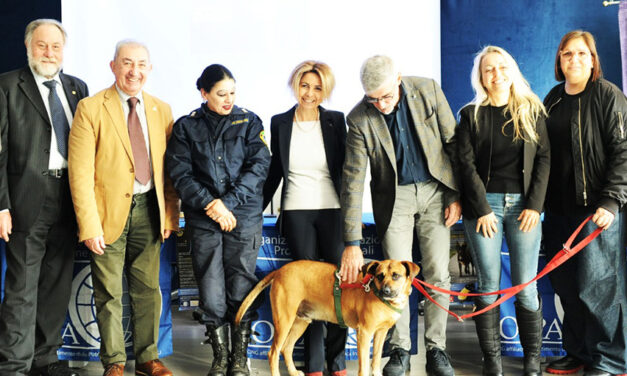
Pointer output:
x,y
82,311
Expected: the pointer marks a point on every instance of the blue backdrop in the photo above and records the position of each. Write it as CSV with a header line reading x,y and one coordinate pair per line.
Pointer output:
x,y
528,29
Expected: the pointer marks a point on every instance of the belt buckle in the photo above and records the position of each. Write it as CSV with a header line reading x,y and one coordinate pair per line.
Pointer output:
x,y
56,173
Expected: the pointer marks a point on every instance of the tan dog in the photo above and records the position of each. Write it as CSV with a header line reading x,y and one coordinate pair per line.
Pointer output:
x,y
303,291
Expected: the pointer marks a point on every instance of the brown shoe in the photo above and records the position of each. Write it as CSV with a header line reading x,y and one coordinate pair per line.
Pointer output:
x,y
152,368
115,369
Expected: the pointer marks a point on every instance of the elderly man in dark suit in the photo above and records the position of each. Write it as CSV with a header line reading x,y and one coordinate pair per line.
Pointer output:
x,y
405,128
37,221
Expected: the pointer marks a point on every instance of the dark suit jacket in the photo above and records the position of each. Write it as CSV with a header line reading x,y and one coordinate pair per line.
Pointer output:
x,y
25,131
333,136
369,139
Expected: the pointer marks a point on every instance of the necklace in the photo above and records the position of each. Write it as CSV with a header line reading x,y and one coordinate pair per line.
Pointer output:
x,y
312,125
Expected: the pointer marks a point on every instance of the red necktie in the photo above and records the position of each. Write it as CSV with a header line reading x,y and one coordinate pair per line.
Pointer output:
x,y
138,144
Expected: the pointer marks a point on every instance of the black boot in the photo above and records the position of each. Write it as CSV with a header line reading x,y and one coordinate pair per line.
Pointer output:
x,y
238,361
219,339
488,331
530,333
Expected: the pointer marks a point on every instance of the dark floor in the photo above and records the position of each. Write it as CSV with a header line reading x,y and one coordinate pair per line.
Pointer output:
x,y
192,358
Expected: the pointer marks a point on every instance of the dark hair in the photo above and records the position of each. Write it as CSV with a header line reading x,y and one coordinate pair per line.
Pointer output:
x,y
212,75
597,72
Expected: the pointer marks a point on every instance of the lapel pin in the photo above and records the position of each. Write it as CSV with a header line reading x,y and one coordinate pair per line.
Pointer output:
x,y
73,92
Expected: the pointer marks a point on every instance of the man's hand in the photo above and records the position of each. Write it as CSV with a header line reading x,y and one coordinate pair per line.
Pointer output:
x,y
352,261
166,234
452,214
603,218
487,225
528,218
6,225
96,245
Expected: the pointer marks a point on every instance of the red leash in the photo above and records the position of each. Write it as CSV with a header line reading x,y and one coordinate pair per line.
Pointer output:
x,y
561,257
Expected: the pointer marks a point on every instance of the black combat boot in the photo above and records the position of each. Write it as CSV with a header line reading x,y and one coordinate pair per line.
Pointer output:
x,y
219,339
530,333
488,331
238,360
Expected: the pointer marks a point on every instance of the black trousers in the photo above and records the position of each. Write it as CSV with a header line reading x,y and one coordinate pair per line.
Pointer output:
x,y
38,284
317,235
224,266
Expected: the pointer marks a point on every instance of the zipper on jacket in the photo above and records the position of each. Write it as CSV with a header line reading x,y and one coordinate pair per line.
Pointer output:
x,y
621,125
583,167
553,105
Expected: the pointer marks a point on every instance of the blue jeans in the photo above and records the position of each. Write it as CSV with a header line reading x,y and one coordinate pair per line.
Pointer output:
x,y
523,250
591,286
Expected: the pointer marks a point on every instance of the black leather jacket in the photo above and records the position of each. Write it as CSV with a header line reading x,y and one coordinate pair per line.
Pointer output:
x,y
598,131
475,154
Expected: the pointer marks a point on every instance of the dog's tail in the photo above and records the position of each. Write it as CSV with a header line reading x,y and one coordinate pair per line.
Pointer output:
x,y
252,295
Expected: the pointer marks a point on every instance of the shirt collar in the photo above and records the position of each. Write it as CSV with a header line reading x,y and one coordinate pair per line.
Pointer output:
x,y
124,97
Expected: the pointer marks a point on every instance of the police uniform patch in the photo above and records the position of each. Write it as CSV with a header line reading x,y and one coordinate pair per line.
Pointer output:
x,y
236,122
262,136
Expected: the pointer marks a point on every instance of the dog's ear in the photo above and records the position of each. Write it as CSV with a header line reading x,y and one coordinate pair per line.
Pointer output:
x,y
412,269
370,268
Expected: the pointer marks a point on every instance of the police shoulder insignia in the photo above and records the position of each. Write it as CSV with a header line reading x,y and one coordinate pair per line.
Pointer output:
x,y
262,136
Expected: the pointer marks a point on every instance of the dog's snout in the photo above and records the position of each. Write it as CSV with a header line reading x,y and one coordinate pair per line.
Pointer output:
x,y
387,290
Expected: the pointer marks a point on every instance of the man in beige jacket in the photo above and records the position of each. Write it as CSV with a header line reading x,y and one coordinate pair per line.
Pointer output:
x,y
124,206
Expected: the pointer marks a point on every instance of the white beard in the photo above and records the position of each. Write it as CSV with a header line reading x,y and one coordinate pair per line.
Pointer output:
x,y
40,67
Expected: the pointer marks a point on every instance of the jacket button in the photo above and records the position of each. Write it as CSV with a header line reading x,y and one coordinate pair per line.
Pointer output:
x,y
127,195
219,158
46,151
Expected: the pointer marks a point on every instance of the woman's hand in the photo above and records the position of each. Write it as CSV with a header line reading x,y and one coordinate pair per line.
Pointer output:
x,y
603,218
528,218
219,213
487,225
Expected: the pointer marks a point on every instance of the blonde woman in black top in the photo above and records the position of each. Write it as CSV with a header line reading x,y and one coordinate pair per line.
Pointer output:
x,y
505,159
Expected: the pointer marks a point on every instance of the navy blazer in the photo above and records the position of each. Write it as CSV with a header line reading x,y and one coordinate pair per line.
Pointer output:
x,y
333,127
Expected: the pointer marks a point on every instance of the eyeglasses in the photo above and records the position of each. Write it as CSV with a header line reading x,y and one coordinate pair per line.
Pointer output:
x,y
569,55
386,98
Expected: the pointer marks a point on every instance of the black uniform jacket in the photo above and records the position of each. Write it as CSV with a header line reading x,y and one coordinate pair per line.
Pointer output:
x,y
229,162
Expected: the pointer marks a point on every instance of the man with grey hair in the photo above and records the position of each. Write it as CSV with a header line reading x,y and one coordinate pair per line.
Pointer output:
x,y
405,128
124,207
37,221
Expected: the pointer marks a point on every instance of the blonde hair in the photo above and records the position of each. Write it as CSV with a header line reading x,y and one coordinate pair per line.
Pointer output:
x,y
323,71
523,105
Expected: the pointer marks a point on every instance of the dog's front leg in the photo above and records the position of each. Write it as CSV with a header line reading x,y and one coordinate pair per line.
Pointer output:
x,y
377,349
363,351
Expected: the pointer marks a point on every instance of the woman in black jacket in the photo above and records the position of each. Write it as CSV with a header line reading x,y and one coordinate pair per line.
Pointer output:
x,y
586,127
307,144
504,155
218,161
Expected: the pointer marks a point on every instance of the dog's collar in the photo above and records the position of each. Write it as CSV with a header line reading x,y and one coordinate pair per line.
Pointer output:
x,y
366,283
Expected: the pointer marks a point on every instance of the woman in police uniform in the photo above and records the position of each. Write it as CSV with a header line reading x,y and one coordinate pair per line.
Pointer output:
x,y
308,143
218,161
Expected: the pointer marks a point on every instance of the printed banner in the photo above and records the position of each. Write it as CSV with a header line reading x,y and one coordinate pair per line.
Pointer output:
x,y
551,311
